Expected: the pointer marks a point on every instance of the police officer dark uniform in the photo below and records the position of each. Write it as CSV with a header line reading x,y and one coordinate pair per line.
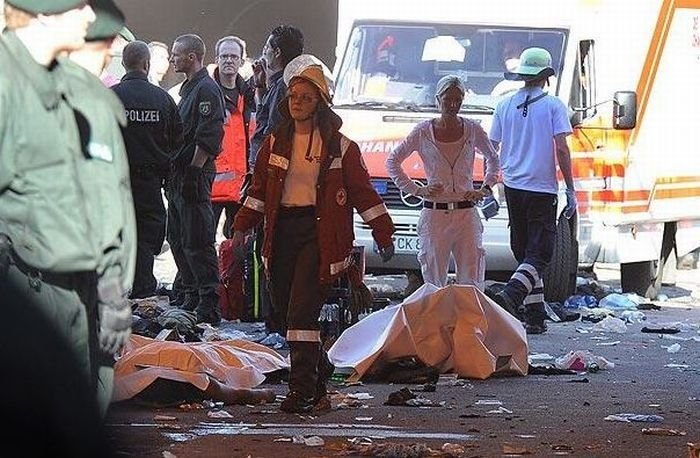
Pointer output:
x,y
153,133
191,230
104,173
50,256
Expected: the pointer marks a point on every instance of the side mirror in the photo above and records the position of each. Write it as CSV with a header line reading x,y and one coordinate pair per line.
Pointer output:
x,y
625,110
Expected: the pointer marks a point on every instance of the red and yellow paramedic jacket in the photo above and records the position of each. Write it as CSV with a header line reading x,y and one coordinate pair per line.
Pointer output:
x,y
343,184
232,162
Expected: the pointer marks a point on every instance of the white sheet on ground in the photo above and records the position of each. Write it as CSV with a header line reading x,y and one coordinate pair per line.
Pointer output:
x,y
237,363
455,329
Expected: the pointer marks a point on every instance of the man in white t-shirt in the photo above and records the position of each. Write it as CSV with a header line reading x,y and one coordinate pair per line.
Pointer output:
x,y
531,128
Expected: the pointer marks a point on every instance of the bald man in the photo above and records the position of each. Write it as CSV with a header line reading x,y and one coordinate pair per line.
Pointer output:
x,y
153,133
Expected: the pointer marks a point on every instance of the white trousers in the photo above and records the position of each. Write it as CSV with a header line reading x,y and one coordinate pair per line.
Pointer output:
x,y
456,234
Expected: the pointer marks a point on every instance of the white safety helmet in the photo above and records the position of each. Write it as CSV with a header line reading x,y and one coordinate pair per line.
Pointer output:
x,y
313,70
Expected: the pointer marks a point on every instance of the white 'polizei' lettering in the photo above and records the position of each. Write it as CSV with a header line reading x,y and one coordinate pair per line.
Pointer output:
x,y
144,116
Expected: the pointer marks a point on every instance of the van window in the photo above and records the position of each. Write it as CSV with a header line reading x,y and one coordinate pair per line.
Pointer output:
x,y
400,63
583,87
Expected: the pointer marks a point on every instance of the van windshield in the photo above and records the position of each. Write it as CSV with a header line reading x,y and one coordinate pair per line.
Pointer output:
x,y
397,66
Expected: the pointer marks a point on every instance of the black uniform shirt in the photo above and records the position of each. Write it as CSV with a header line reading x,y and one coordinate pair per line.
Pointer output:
x,y
154,130
202,112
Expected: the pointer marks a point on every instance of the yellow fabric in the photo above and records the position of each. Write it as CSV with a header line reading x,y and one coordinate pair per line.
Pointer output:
x,y
237,363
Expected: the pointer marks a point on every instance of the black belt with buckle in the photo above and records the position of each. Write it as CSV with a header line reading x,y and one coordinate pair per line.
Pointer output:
x,y
448,205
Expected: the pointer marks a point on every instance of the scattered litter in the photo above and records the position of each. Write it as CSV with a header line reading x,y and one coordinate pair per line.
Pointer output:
x,y
452,450
551,313
515,450
364,418
426,388
633,417
576,302
390,450
164,418
500,410
647,329
579,380
526,436
675,348
648,306
616,301
311,441
219,414
549,370
632,316
470,415
360,396
608,344
423,402
562,448
488,402
275,341
581,360
283,439
662,432
540,357
693,450
677,366
399,398
167,454
610,324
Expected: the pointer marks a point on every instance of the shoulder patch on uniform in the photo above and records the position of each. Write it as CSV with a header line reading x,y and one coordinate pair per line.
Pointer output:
x,y
341,197
205,108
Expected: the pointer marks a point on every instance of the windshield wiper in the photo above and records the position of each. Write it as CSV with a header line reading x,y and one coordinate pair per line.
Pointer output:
x,y
471,107
406,106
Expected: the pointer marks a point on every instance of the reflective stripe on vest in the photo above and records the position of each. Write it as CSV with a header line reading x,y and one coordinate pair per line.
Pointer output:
x,y
231,163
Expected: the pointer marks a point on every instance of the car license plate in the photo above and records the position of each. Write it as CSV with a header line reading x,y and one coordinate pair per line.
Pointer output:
x,y
405,244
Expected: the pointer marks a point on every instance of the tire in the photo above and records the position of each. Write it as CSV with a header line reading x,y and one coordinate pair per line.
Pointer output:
x,y
560,276
639,278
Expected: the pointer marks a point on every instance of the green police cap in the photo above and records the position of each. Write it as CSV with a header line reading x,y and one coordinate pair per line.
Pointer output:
x,y
109,21
46,6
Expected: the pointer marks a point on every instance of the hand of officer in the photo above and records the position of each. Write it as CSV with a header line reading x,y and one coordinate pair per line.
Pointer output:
x,y
571,203
387,252
115,316
189,185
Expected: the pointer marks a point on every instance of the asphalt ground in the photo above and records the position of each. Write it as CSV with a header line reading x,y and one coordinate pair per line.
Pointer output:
x,y
538,415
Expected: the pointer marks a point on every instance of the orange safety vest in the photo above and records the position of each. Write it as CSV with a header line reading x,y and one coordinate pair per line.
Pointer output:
x,y
231,163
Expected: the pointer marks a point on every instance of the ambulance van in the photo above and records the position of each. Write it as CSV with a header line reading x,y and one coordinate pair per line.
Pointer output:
x,y
628,70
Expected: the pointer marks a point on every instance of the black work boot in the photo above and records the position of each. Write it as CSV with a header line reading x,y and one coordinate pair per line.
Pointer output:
x,y
508,304
209,311
325,369
303,376
535,317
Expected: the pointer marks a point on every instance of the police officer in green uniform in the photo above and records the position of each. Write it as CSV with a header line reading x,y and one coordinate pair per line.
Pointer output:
x,y
104,171
47,251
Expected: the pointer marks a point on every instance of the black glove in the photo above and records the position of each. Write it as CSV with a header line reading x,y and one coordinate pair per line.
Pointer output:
x,y
115,315
190,182
387,252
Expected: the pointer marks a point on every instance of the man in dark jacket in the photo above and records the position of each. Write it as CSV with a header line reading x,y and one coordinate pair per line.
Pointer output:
x,y
153,134
190,218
